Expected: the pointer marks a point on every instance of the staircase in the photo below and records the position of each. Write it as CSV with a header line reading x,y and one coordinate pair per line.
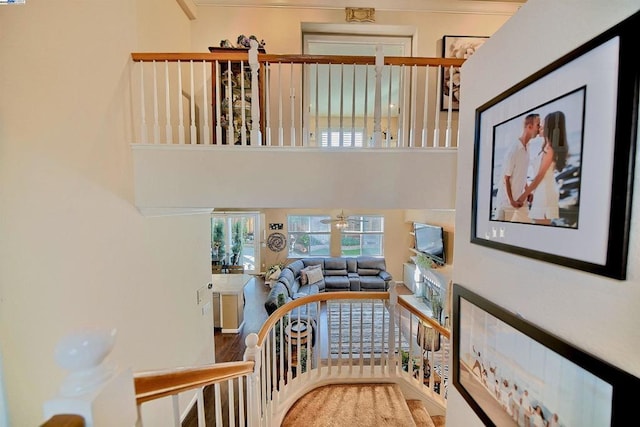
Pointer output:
x,y
367,404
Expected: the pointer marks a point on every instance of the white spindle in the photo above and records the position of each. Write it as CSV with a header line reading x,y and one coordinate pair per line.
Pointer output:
x,y
218,404
436,129
156,120
317,140
304,109
143,116
402,96
329,107
353,107
180,109
176,410
280,124
377,105
243,115
341,135
205,106
366,108
218,88
292,103
256,136
241,402
229,96
200,400
412,125
268,104
425,106
167,104
447,140
192,104
232,403
388,138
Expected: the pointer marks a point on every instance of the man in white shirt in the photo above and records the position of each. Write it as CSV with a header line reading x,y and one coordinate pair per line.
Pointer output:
x,y
514,174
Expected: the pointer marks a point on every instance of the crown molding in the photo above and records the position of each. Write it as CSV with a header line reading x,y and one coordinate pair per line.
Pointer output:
x,y
501,7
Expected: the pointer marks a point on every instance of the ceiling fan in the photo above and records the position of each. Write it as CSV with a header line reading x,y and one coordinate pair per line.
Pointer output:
x,y
342,221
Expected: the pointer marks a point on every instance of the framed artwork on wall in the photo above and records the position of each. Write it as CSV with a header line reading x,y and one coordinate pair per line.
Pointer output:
x,y
554,159
513,373
460,47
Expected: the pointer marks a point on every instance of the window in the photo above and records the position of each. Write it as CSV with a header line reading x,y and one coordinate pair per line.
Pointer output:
x,y
233,240
308,236
332,138
365,236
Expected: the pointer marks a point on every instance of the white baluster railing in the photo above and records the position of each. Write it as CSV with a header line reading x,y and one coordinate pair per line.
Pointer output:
x,y
355,114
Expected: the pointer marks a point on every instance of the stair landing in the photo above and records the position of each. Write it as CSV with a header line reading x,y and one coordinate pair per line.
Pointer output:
x,y
355,405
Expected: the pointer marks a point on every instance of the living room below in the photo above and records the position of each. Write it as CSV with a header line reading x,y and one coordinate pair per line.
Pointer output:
x,y
389,233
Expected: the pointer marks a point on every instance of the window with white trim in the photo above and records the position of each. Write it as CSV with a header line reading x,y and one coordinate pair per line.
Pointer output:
x,y
364,236
308,236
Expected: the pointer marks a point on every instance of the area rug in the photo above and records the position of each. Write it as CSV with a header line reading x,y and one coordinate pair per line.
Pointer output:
x,y
366,321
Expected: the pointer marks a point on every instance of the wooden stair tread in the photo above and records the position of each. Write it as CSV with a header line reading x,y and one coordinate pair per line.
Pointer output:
x,y
369,404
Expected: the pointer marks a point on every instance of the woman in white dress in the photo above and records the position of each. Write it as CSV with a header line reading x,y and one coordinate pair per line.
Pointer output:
x,y
552,157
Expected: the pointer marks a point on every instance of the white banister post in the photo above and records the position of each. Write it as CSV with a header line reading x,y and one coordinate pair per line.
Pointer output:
x,y
94,388
447,139
393,350
143,116
256,136
436,125
253,352
377,104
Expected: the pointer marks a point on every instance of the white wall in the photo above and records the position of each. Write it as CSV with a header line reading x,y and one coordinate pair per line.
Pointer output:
x,y
74,251
597,314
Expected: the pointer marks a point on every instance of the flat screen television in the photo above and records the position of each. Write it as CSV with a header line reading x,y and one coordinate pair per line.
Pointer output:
x,y
430,241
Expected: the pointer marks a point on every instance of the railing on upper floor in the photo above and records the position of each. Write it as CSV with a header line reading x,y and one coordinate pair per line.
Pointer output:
x,y
302,100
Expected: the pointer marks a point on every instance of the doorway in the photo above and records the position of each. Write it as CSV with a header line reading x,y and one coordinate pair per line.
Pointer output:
x,y
235,240
325,100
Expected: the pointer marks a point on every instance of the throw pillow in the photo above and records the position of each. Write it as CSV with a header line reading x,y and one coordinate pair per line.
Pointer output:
x,y
303,274
314,275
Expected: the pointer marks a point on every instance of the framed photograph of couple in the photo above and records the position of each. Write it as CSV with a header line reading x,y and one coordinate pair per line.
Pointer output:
x,y
513,373
554,159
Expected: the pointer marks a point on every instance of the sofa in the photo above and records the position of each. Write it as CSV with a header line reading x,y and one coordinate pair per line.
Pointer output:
x,y
363,273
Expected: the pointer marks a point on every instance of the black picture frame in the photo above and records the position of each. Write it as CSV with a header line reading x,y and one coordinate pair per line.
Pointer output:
x,y
560,378
455,47
596,88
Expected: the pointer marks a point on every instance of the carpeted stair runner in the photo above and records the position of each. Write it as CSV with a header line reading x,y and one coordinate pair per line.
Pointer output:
x,y
422,417
358,405
420,414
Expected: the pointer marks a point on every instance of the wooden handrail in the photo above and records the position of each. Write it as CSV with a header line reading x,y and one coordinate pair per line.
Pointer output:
x,y
152,385
425,319
65,420
345,295
296,59
319,297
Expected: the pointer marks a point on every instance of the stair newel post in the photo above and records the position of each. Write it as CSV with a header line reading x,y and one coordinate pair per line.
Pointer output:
x,y
254,405
392,356
256,137
94,388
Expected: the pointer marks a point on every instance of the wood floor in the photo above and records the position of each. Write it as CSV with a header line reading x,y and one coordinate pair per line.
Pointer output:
x,y
230,347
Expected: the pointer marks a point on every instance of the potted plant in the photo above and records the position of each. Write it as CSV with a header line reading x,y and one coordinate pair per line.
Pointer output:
x,y
437,306
424,262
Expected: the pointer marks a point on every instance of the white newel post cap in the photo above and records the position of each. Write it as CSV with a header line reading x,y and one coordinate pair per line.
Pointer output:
x,y
94,388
